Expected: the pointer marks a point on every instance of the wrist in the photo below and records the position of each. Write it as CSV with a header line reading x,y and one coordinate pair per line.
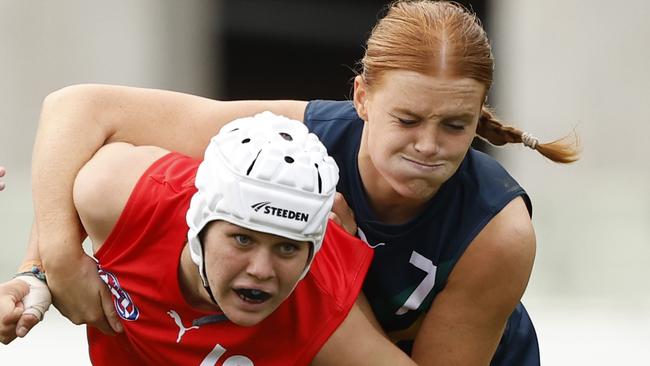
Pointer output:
x,y
27,265
35,271
61,261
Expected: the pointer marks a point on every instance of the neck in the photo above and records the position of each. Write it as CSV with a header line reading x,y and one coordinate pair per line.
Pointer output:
x,y
388,205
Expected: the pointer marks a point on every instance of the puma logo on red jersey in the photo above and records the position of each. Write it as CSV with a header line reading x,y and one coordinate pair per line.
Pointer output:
x,y
181,328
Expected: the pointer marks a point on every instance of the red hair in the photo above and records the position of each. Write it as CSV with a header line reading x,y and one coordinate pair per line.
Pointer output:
x,y
441,37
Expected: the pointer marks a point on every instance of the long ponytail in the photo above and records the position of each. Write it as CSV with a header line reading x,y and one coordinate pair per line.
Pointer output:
x,y
563,150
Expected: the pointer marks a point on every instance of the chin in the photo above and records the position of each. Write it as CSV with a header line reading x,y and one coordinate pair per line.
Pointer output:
x,y
247,319
418,187
418,190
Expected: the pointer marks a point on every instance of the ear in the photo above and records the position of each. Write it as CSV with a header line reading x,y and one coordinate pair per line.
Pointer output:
x,y
360,97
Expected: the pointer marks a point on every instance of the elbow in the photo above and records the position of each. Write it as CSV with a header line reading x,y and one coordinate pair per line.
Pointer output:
x,y
76,106
77,96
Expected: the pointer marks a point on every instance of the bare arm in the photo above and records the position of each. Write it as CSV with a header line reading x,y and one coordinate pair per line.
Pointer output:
x,y
100,194
78,120
467,319
75,122
357,342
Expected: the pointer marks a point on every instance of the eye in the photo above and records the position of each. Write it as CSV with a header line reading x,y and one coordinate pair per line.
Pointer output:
x,y
288,249
456,126
407,122
242,240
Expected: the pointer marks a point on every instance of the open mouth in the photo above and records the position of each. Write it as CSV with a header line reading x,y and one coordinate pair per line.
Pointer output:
x,y
252,296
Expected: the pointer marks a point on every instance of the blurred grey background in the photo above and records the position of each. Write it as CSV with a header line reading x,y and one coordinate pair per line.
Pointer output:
x,y
560,65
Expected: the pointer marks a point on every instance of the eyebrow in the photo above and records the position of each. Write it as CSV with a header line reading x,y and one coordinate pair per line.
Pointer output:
x,y
462,115
254,233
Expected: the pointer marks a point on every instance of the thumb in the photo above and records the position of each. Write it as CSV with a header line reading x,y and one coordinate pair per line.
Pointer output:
x,y
109,310
39,298
26,322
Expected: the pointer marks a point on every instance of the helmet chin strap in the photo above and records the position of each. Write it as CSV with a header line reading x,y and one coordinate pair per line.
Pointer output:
x,y
206,286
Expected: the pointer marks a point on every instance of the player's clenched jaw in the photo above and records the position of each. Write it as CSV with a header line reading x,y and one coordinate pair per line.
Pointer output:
x,y
250,273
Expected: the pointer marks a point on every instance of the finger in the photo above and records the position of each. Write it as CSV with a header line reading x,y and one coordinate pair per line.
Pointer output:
x,y
109,310
103,325
39,298
12,311
341,207
6,336
334,217
26,322
17,288
11,304
338,202
344,214
101,322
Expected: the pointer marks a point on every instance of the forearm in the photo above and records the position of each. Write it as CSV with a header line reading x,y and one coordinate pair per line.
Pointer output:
x,y
67,137
32,256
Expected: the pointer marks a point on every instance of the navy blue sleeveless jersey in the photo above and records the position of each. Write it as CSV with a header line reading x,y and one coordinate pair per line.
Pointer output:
x,y
413,260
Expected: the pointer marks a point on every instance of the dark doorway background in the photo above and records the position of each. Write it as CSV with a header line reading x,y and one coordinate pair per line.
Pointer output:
x,y
297,49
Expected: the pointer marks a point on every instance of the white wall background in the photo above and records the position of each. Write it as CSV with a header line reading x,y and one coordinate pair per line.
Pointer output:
x,y
560,65
583,64
46,45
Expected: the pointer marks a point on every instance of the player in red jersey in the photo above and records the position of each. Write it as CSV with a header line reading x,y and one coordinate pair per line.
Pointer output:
x,y
251,217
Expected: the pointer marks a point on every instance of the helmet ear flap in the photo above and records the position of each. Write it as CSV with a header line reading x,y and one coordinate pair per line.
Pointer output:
x,y
266,173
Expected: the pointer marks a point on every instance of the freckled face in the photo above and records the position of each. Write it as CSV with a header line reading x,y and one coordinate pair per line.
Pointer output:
x,y
250,273
418,129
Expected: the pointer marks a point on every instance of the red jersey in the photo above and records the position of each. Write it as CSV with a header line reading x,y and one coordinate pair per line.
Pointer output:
x,y
140,262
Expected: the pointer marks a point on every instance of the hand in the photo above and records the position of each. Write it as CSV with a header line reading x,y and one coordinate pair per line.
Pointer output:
x,y
2,174
81,296
342,214
36,303
12,294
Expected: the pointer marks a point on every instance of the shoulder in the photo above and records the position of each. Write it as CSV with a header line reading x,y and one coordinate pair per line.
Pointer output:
x,y
336,123
325,110
492,183
497,264
103,185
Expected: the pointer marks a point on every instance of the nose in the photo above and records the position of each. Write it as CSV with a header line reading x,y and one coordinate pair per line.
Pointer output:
x,y
260,265
426,140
